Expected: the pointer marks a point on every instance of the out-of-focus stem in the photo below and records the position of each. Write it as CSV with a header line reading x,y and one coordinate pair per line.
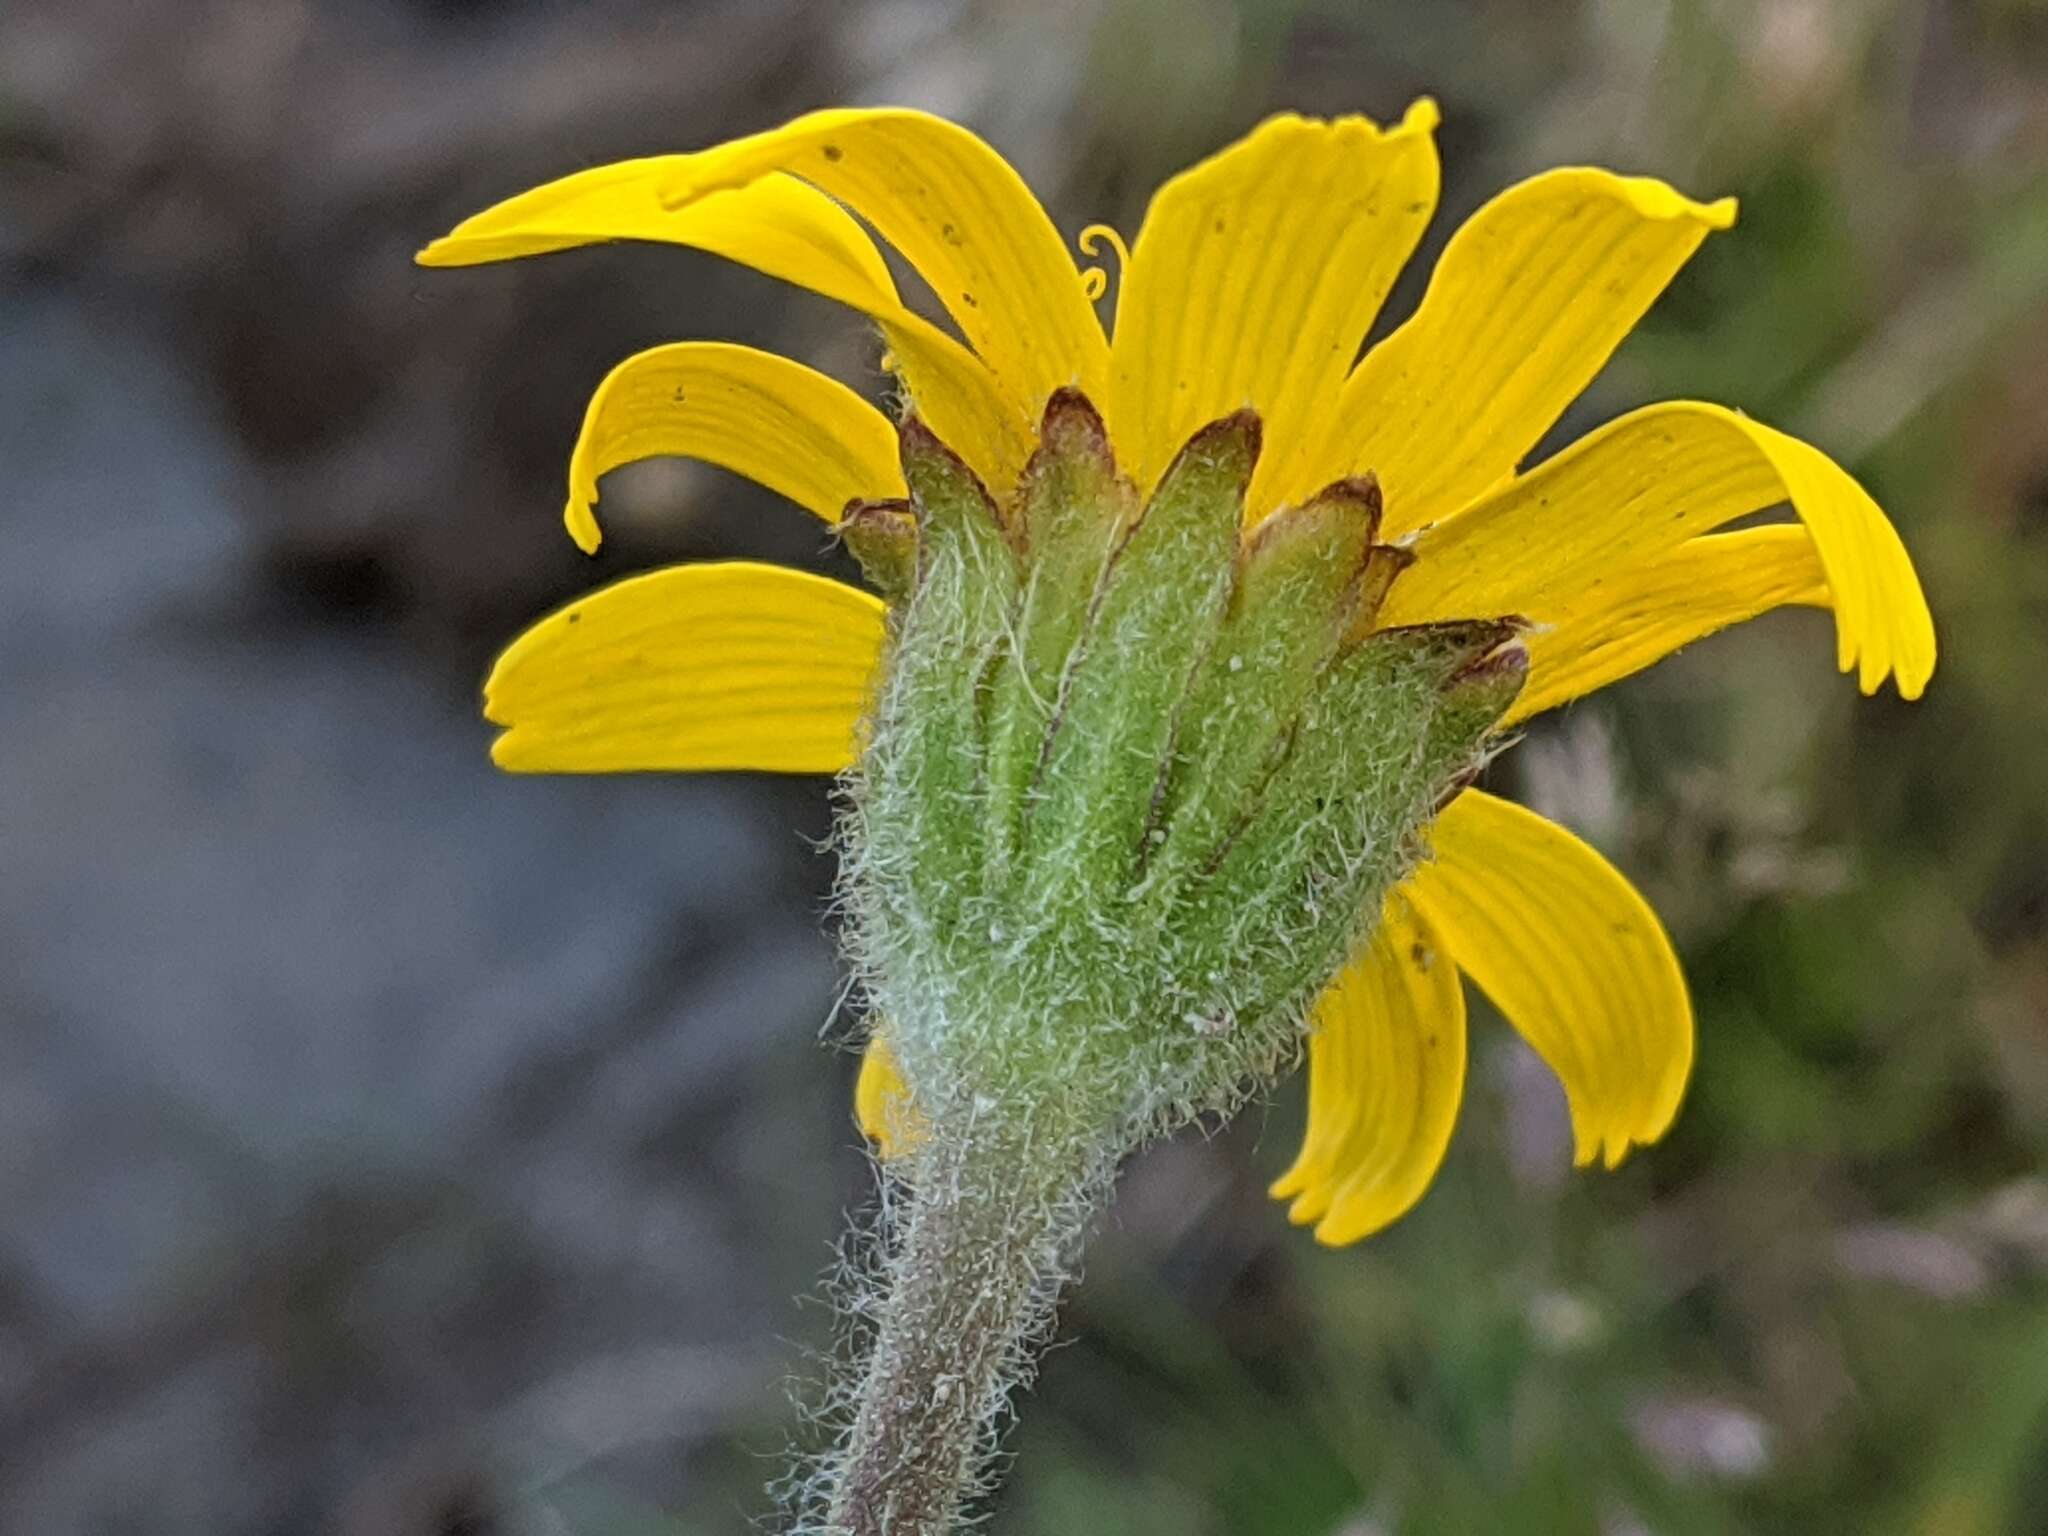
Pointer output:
x,y
991,1233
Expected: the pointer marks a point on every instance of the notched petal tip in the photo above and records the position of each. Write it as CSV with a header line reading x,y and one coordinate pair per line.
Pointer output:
x,y
1349,1223
1328,1234
493,708
702,667
515,751
499,685
1657,199
1573,957
1422,116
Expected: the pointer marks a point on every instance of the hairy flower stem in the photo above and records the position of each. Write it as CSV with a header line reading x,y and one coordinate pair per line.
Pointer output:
x,y
992,1230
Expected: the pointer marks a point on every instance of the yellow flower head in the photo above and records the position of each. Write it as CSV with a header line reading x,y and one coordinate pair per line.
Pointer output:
x,y
1250,287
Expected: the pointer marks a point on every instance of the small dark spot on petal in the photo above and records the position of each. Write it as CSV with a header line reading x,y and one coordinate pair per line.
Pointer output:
x,y
679,396
951,234
1219,226
970,301
575,616
1418,206
834,152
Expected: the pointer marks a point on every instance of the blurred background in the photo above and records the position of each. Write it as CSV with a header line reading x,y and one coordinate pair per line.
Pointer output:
x,y
390,1148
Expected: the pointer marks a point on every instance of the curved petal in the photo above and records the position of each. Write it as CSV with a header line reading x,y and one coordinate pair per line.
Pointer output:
x,y
1255,277
1574,958
1531,296
1641,486
734,665
881,1102
1386,1065
777,225
1641,614
776,421
958,213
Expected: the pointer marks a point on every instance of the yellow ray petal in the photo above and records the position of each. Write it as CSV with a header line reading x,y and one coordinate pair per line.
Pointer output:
x,y
734,665
1574,958
1641,486
777,225
958,213
1255,277
1531,296
882,1105
763,416
1640,614
1386,1073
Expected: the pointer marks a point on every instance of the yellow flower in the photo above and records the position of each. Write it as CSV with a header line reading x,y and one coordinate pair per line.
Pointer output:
x,y
1252,282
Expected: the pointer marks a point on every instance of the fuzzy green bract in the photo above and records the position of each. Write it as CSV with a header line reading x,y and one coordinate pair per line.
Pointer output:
x,y
1135,778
